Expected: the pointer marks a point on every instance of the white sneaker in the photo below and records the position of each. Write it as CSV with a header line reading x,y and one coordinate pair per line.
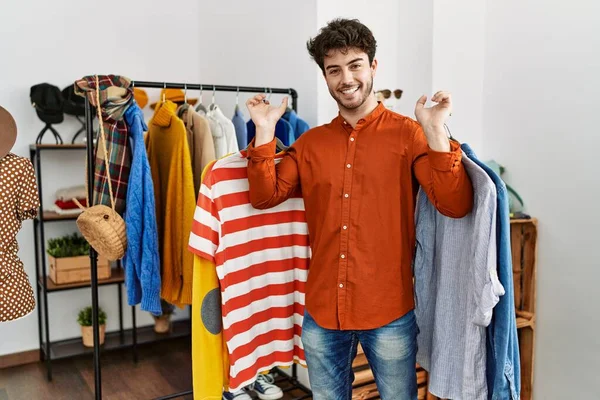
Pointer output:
x,y
265,389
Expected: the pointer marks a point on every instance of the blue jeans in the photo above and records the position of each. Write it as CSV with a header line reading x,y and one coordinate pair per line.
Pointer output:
x,y
391,351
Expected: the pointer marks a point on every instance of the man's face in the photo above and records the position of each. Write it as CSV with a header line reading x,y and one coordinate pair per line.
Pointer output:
x,y
349,77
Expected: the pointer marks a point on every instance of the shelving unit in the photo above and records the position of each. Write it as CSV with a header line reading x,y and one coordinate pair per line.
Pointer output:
x,y
120,339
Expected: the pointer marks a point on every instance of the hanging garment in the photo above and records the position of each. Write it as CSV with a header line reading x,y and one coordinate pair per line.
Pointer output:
x,y
223,132
298,125
283,131
503,358
261,259
456,289
241,130
169,157
141,260
116,96
18,201
210,360
200,141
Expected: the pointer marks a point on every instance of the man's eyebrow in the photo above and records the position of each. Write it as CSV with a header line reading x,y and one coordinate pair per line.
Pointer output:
x,y
348,63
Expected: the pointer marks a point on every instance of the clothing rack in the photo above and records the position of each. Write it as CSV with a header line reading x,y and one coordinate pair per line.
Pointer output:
x,y
89,118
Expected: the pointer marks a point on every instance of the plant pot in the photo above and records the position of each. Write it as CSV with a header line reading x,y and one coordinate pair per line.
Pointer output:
x,y
162,324
87,334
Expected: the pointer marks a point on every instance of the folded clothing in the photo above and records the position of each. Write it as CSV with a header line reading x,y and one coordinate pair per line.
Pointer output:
x,y
70,205
60,211
67,194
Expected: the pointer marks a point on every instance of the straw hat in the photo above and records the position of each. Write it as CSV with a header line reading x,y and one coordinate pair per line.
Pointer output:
x,y
8,132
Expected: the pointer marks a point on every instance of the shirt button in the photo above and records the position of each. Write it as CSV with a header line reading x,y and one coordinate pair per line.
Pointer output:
x,y
346,195
352,139
345,227
343,256
348,165
341,285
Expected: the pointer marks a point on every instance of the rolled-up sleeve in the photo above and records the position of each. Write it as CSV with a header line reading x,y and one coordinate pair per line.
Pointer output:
x,y
443,177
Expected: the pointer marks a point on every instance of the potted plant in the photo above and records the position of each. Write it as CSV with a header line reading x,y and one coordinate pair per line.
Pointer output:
x,y
85,321
69,261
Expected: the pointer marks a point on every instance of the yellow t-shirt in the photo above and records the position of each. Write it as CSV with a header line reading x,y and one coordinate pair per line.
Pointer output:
x,y
210,359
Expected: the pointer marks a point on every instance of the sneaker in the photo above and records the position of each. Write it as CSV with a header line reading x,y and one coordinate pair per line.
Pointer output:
x,y
238,395
265,389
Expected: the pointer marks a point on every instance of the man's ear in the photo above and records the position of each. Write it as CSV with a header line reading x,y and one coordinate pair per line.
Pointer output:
x,y
374,66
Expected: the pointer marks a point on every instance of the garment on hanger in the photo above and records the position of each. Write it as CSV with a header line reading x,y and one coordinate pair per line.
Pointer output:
x,y
171,167
200,141
210,359
261,259
116,96
503,359
298,124
141,261
223,132
283,131
456,289
18,201
241,130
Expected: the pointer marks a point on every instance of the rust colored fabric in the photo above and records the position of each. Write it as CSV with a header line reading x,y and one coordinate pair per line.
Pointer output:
x,y
359,187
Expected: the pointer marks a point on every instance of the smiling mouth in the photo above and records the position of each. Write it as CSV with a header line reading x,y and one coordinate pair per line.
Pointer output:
x,y
350,91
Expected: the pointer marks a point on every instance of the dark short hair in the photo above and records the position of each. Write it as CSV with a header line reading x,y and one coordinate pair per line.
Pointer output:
x,y
341,34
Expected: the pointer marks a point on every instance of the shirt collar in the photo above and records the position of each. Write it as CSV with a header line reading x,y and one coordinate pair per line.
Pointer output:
x,y
376,113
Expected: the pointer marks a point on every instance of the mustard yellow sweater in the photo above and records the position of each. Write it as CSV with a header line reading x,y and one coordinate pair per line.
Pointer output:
x,y
169,158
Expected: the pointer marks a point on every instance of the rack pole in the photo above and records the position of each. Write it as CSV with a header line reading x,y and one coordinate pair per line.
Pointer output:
x,y
93,254
220,88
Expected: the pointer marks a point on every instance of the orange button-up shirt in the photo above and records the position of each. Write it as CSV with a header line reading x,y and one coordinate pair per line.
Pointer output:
x,y
359,187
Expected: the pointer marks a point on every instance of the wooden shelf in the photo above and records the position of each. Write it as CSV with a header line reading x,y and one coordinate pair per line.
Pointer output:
x,y
54,216
114,340
117,276
78,146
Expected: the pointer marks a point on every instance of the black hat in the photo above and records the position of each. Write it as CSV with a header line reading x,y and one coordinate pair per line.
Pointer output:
x,y
73,103
48,102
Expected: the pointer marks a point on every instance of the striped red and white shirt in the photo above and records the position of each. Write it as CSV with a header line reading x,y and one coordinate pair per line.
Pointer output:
x,y
262,259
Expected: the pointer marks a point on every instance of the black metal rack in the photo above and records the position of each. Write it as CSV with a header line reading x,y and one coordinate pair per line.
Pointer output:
x,y
94,256
69,348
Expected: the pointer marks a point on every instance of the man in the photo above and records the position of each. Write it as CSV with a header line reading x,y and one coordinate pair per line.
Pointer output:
x,y
359,176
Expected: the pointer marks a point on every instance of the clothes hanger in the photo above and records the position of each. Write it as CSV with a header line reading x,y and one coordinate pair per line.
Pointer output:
x,y
213,105
164,94
200,106
237,100
289,107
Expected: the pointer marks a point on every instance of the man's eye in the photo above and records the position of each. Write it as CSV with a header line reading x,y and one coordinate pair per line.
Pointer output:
x,y
355,66
333,71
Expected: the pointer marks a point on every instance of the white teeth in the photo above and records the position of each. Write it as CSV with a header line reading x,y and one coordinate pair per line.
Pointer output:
x,y
350,91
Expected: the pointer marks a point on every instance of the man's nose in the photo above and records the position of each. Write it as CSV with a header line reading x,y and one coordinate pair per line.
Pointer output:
x,y
347,78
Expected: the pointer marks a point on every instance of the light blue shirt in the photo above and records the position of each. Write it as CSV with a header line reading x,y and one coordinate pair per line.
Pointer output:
x,y
456,289
503,359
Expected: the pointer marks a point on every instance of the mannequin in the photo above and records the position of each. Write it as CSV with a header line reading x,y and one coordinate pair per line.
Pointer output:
x,y
18,201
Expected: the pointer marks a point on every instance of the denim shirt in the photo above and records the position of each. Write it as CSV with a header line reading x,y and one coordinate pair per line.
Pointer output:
x,y
456,289
503,362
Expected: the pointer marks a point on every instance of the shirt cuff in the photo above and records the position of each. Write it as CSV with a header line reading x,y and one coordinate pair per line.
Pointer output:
x,y
264,151
445,161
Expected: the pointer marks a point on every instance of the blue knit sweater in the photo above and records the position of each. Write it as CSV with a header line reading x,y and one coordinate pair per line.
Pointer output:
x,y
141,261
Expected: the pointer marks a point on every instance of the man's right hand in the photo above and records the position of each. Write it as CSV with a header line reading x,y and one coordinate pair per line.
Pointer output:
x,y
265,117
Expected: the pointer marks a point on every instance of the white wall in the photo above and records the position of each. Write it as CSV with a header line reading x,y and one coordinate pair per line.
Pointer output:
x,y
404,37
458,57
58,43
540,121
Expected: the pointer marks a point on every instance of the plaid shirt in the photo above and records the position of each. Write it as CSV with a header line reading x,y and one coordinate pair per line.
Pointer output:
x,y
116,96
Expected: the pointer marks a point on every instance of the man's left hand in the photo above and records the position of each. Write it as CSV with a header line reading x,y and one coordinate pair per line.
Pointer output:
x,y
432,119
